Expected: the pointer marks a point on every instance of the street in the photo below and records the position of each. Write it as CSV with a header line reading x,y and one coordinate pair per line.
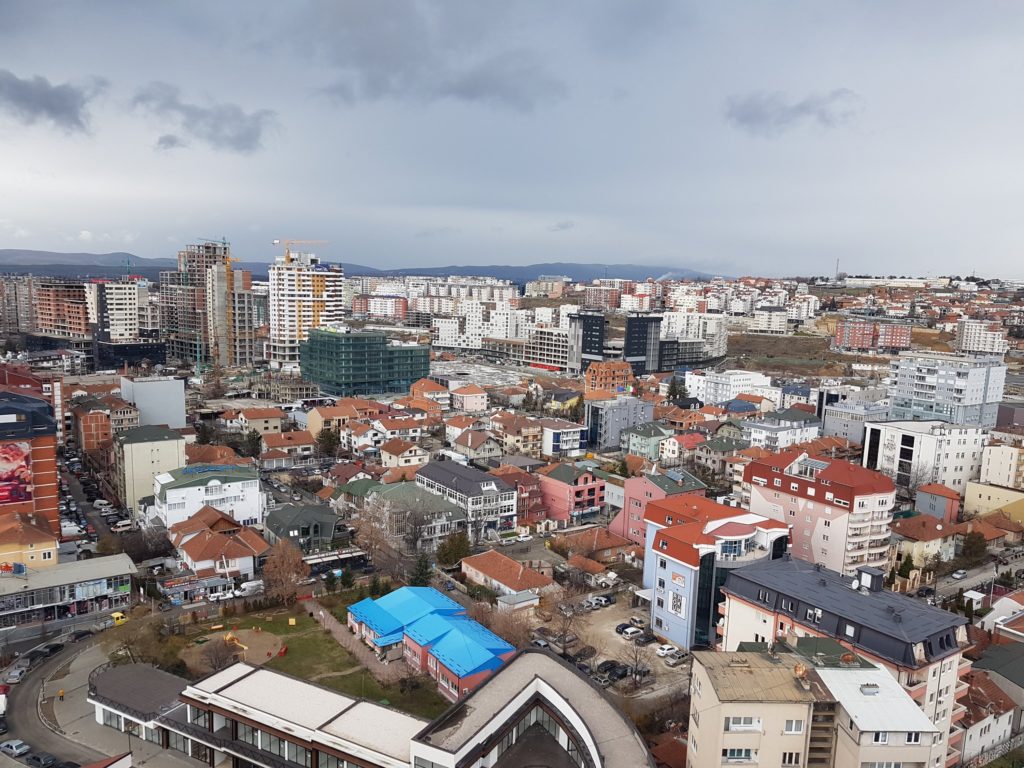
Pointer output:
x,y
978,578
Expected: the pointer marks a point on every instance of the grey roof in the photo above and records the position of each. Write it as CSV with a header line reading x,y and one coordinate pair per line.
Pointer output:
x,y
411,496
459,478
886,624
64,574
147,434
139,687
676,481
724,445
204,474
650,429
283,517
35,416
1006,660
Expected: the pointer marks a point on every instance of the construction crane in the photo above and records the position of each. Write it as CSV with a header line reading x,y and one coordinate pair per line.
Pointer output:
x,y
289,243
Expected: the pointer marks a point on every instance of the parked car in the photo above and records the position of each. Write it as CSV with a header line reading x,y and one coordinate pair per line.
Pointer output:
x,y
603,680
78,635
959,574
665,650
638,621
646,638
15,748
631,633
619,672
583,667
102,504
925,591
540,643
605,666
41,760
620,628
52,649
524,537
675,659
602,601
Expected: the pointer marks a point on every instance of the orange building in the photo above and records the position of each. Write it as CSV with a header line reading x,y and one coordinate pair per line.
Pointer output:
x,y
61,309
608,376
28,458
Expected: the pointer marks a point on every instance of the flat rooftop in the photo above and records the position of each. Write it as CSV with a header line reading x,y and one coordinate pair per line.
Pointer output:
x,y
141,687
477,373
62,574
754,677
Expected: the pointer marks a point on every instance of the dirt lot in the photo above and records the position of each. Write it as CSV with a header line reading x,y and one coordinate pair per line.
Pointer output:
x,y
795,355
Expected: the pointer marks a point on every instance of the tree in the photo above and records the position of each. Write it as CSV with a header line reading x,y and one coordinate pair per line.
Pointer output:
x,y
217,654
372,527
253,443
205,433
673,390
348,579
512,626
422,573
637,658
330,582
974,548
416,521
327,442
283,571
453,549
906,567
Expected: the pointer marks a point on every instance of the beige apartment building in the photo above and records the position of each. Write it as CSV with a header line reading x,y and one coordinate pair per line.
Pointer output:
x,y
140,454
812,704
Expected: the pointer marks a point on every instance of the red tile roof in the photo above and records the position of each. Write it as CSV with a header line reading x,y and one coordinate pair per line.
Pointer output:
x,y
937,489
586,565
984,698
281,439
396,446
921,528
507,571
252,414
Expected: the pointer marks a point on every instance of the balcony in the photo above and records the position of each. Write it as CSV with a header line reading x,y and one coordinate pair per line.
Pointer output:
x,y
959,711
961,690
964,667
952,757
916,689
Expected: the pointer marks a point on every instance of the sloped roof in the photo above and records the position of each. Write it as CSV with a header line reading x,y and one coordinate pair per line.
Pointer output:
x,y
594,540
208,545
670,486
402,607
469,389
252,414
564,472
507,571
284,439
938,489
396,446
470,648
984,698
586,565
978,525
25,529
921,528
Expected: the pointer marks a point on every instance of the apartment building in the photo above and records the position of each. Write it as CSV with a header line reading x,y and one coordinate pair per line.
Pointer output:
x,y
345,362
606,419
304,294
838,512
691,543
140,454
846,419
812,704
914,453
1003,465
608,376
719,386
28,449
61,309
870,336
380,307
959,389
186,302
561,439
17,304
780,429
488,501
980,337
96,419
922,646
570,493
181,492
231,315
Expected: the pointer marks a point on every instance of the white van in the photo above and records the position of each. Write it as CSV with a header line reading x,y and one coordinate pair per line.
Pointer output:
x,y
124,526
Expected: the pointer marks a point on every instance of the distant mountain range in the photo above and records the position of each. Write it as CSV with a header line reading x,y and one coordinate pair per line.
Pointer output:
x,y
55,264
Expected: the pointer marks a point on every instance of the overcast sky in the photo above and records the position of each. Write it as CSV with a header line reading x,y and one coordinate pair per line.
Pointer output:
x,y
756,138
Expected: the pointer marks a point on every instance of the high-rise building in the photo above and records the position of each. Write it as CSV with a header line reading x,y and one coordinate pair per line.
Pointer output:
x,y
641,344
956,388
28,458
586,340
869,336
230,315
344,362
117,310
981,337
304,294
17,304
61,309
915,453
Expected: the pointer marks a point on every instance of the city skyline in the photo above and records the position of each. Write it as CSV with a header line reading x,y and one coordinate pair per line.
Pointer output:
x,y
751,141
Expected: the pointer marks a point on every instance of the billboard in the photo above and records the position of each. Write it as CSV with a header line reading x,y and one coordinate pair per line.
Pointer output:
x,y
15,472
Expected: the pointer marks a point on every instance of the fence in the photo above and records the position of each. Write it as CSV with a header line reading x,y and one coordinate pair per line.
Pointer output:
x,y
996,752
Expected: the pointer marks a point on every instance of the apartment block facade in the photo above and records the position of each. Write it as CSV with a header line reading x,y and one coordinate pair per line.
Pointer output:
x,y
959,389
304,294
914,453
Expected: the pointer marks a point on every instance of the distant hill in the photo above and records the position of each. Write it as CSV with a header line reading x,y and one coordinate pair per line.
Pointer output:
x,y
55,264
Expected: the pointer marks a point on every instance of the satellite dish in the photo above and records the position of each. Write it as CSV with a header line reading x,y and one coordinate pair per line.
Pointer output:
x,y
855,585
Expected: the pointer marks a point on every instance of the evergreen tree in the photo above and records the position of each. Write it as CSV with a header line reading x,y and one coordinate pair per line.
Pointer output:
x,y
422,572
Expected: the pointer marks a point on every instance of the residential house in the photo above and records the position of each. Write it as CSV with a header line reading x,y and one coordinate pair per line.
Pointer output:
x,y
570,493
988,721
530,509
596,544
1014,530
679,419
402,453
456,425
262,420
924,539
518,434
299,449
995,538
181,493
410,517
331,417
939,501
505,576
478,445
712,454
362,439
781,429
469,399
396,427
1003,664
211,543
644,440
198,453
679,448
642,489
561,439
352,497
431,390
345,472
27,540
312,528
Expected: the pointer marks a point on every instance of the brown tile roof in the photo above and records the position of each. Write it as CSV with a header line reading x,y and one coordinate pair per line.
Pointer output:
x,y
921,528
586,565
507,571
593,540
469,389
461,422
1003,521
19,528
283,439
213,454
978,525
983,698
427,385
396,446
208,545
251,414
937,489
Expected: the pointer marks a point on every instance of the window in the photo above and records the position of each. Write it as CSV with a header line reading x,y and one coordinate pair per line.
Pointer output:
x,y
794,726
745,723
881,737
662,563
47,555
661,585
791,758
736,755
849,630
913,737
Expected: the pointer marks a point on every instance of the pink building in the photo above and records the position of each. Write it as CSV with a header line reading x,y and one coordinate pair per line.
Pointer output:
x,y
640,491
569,492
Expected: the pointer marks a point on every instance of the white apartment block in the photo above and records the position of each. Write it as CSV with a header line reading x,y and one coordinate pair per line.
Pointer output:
x,y
1003,465
718,386
115,307
981,337
304,294
914,453
770,320
180,493
959,389
710,329
847,419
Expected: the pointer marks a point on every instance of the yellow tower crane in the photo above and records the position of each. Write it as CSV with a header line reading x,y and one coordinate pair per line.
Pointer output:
x,y
289,243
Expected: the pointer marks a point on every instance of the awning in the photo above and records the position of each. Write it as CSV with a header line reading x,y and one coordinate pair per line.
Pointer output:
x,y
393,639
645,594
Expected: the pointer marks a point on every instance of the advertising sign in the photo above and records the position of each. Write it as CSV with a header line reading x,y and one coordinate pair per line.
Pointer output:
x,y
15,472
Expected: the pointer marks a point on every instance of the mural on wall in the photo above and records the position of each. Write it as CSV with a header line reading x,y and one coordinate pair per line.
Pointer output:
x,y
15,472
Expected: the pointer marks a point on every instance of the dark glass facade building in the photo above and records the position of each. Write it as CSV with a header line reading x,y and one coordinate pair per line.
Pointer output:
x,y
345,363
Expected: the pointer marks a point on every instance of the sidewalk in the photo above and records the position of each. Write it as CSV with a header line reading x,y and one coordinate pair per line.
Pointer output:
x,y
386,674
75,719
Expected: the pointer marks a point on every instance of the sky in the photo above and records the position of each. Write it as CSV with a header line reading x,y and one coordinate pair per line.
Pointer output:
x,y
731,138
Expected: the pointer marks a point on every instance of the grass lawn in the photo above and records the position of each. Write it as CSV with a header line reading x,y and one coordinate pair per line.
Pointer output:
x,y
1014,759
424,701
312,654
275,621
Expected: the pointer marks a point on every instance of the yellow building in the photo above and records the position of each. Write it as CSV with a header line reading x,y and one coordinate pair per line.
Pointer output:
x,y
27,540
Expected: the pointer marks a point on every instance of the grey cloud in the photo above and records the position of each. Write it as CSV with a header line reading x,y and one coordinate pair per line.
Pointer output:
x,y
221,126
386,50
772,114
562,226
33,99
170,141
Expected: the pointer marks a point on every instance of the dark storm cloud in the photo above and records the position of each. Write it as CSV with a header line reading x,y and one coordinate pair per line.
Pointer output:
x,y
170,141
221,126
772,114
388,50
35,99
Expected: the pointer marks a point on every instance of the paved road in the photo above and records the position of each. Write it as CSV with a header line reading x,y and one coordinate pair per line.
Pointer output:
x,y
23,719
979,578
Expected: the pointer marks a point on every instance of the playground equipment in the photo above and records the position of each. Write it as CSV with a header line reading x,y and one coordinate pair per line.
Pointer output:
x,y
234,644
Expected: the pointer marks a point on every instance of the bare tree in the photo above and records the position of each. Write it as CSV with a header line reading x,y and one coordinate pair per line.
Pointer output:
x,y
638,658
283,572
512,626
217,654
415,524
372,526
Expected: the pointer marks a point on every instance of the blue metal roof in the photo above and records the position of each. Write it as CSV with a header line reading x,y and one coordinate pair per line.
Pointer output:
x,y
469,648
392,639
397,610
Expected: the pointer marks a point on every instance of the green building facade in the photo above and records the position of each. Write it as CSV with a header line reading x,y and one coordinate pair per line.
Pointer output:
x,y
345,363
